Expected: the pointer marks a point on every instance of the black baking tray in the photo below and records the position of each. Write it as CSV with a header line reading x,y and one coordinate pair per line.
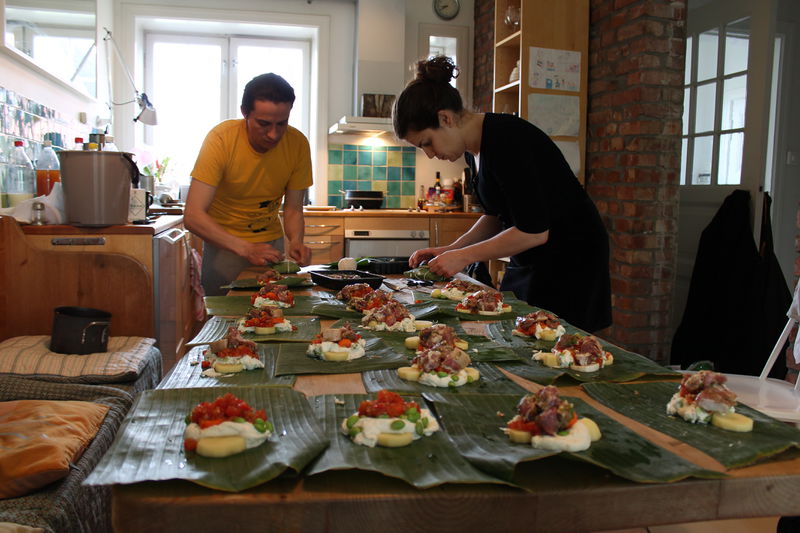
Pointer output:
x,y
387,265
330,278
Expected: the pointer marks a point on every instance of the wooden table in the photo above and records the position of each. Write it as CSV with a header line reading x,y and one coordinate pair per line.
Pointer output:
x,y
566,496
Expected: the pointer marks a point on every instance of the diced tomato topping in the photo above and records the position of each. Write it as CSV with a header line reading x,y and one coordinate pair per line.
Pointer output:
x,y
224,408
521,425
345,343
239,351
189,445
387,403
572,422
205,364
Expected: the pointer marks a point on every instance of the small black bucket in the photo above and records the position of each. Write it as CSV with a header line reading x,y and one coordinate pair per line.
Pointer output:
x,y
80,330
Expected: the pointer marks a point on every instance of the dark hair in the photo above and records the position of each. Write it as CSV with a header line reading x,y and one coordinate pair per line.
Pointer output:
x,y
266,87
418,105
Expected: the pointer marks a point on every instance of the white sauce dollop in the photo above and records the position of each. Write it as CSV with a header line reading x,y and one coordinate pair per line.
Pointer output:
x,y
356,350
251,435
371,427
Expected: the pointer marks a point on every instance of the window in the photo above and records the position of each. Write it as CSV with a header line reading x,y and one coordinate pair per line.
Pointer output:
x,y
715,99
452,41
197,81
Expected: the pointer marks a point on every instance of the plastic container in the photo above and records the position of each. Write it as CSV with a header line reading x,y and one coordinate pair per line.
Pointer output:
x,y
109,146
97,186
20,183
48,170
78,143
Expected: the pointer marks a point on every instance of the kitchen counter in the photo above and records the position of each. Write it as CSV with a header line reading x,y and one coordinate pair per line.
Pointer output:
x,y
157,225
388,213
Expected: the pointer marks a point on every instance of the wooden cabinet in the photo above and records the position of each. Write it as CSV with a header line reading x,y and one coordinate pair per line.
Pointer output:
x,y
550,28
138,273
446,229
324,235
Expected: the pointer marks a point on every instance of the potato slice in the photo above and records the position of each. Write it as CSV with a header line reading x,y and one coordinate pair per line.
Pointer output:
x,y
548,334
594,429
221,446
549,359
408,373
732,422
437,293
609,359
473,373
412,342
265,331
395,440
335,356
594,367
461,344
228,368
422,324
518,436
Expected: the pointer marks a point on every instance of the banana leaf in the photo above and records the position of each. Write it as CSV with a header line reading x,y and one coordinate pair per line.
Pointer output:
x,y
627,365
337,309
473,425
426,462
286,267
149,444
424,273
187,373
217,327
480,348
518,308
646,402
292,359
492,381
252,283
240,305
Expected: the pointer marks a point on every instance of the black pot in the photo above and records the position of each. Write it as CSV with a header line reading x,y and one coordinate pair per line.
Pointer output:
x,y
80,330
365,199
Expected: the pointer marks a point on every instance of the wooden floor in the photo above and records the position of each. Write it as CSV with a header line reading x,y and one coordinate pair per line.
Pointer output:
x,y
745,525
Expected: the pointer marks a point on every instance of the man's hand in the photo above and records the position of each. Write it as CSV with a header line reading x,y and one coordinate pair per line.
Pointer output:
x,y
299,253
425,254
262,254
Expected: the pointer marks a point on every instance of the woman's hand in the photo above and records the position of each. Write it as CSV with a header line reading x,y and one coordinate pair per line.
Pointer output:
x,y
261,254
425,254
449,263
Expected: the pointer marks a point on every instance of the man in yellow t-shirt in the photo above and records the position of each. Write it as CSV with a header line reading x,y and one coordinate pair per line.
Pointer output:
x,y
243,171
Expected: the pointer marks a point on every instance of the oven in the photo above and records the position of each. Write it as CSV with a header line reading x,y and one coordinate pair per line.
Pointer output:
x,y
384,242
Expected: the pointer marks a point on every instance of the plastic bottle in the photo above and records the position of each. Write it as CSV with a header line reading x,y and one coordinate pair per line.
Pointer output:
x,y
110,146
78,143
3,170
20,177
48,170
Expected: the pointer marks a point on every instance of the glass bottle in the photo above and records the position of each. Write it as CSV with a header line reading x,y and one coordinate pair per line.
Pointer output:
x,y
20,177
48,170
421,199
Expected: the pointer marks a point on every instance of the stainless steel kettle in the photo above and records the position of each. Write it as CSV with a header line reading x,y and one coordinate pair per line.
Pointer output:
x,y
97,186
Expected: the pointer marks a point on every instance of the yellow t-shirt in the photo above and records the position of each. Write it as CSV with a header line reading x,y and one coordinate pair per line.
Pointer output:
x,y
250,185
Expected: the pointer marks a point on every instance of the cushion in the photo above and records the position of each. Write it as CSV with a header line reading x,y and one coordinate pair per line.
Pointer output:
x,y
40,438
30,356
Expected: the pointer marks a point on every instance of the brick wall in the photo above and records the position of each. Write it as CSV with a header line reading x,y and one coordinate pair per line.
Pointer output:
x,y
484,56
636,61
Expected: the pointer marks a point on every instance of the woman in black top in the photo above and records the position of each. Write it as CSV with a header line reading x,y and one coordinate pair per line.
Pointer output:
x,y
536,210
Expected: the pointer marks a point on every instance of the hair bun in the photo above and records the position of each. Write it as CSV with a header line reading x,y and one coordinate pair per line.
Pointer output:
x,y
438,68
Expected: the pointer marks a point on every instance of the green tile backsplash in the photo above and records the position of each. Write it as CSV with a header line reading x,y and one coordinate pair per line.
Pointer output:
x,y
391,169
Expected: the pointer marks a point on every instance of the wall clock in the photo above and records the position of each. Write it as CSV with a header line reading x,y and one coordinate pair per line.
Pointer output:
x,y
446,9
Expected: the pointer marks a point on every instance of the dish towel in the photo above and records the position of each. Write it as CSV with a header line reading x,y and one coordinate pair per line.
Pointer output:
x,y
53,207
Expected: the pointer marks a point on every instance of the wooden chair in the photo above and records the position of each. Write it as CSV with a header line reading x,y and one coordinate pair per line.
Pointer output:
x,y
33,282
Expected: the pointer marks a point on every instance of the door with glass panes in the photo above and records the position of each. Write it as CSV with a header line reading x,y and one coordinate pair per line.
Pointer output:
x,y
726,119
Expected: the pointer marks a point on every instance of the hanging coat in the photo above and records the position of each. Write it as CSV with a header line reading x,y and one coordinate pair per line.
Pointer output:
x,y
738,297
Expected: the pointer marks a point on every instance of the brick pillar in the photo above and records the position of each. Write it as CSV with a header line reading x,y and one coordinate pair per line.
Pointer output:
x,y
483,79
636,62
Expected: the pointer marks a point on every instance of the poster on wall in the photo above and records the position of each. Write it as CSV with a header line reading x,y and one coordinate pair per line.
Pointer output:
x,y
554,69
572,153
555,114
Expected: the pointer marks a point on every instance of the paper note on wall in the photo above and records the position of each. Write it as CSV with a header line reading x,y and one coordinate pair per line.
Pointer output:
x,y
572,153
555,114
554,69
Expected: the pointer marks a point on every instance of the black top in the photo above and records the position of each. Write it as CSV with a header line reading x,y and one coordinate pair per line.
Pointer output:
x,y
525,181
